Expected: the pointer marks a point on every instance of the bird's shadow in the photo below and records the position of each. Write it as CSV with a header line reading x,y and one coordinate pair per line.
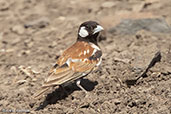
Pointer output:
x,y
62,93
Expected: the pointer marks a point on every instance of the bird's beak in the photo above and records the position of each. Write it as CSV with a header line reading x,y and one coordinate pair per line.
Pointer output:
x,y
98,29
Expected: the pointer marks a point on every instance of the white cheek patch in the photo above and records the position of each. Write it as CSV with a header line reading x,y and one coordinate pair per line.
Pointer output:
x,y
83,32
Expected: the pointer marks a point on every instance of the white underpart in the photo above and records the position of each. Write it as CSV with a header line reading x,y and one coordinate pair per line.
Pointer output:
x,y
83,32
85,52
99,62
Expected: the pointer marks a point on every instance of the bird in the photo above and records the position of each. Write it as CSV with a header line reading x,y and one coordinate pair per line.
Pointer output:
x,y
77,61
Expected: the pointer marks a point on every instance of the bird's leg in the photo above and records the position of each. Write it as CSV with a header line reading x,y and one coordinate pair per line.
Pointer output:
x,y
79,85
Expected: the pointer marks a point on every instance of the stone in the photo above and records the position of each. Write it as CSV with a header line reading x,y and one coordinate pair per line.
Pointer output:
x,y
131,26
108,4
4,5
18,29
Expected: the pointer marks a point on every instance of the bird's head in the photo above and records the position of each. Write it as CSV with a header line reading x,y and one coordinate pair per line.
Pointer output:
x,y
89,31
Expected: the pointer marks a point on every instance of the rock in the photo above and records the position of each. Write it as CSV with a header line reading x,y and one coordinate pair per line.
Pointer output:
x,y
23,52
108,4
18,29
34,79
151,1
20,82
38,23
53,44
4,5
116,101
16,40
61,18
30,44
130,26
125,60
111,21
138,7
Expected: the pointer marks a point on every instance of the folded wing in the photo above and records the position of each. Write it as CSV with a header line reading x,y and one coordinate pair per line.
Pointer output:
x,y
72,65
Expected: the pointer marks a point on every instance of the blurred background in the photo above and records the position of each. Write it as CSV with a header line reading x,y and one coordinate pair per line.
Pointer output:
x,y
34,32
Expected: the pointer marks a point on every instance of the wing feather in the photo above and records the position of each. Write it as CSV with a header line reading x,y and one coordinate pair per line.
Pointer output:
x,y
63,75
58,76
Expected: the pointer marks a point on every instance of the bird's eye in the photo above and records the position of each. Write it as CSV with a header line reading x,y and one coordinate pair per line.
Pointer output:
x,y
89,27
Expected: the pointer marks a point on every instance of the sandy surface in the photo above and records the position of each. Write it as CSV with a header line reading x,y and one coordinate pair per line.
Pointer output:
x,y
34,32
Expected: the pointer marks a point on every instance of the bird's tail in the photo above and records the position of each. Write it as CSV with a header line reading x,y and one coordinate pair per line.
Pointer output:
x,y
41,92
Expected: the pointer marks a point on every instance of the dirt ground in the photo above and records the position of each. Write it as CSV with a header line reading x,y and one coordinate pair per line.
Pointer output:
x,y
34,32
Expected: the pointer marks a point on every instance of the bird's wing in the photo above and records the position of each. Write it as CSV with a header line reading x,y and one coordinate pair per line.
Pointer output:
x,y
71,65
74,63
67,73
